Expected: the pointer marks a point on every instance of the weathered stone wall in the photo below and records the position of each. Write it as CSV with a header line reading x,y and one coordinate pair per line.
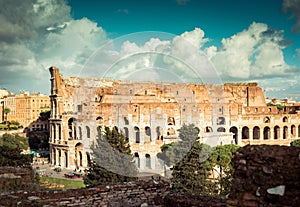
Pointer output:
x,y
142,193
16,178
266,176
185,200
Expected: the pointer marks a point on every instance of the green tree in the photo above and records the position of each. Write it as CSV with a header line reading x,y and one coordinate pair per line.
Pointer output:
x,y
112,161
220,159
192,174
295,143
6,111
14,141
172,153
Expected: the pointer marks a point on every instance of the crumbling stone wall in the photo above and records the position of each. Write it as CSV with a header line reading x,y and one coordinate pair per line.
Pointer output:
x,y
142,193
266,175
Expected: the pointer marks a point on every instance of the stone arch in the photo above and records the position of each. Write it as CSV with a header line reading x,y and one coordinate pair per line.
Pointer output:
x,y
100,120
126,131
72,128
245,132
126,121
99,131
221,129
147,134
234,130
171,121
137,134
170,131
158,132
208,129
256,132
285,132
148,161
284,119
137,160
80,132
88,131
267,132
267,119
66,159
78,155
293,131
276,132
220,121
88,157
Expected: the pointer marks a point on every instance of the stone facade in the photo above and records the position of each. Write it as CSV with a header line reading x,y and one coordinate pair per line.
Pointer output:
x,y
24,107
149,114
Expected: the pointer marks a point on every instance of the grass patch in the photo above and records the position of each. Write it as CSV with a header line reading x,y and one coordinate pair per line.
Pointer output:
x,y
60,183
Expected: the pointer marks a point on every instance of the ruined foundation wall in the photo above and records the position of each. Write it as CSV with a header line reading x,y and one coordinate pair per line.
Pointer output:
x,y
266,176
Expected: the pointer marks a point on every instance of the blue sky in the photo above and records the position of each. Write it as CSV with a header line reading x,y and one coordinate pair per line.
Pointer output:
x,y
257,40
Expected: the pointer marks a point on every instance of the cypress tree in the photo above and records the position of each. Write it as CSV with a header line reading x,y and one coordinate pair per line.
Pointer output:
x,y
112,161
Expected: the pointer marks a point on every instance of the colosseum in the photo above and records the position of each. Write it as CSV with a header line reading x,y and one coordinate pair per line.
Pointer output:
x,y
149,114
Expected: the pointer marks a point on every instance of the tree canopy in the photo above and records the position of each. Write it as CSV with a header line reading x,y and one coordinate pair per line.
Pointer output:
x,y
198,169
111,160
295,143
14,141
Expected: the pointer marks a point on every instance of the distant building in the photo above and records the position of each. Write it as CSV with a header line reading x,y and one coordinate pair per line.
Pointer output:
x,y
149,114
24,107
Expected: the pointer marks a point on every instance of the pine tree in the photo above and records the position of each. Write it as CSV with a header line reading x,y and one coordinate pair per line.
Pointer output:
x,y
112,161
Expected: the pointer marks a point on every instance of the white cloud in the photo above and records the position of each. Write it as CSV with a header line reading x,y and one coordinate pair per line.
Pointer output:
x,y
253,53
176,59
36,34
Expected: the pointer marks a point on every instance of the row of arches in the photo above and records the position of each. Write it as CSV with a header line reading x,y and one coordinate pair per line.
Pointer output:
x,y
266,132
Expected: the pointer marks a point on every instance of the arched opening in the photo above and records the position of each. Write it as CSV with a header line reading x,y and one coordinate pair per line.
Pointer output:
x,y
285,119
137,134
276,132
293,131
234,130
59,158
148,161
126,131
88,132
171,121
170,131
267,119
221,129
221,121
267,132
80,159
99,120
126,121
137,159
299,131
66,160
147,134
78,155
285,132
245,132
99,131
208,129
72,128
80,132
158,133
88,157
256,132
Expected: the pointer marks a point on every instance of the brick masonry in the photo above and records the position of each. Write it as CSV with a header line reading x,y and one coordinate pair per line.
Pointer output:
x,y
266,176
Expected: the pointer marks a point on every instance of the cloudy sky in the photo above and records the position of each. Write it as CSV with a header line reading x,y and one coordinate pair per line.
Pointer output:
x,y
257,40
